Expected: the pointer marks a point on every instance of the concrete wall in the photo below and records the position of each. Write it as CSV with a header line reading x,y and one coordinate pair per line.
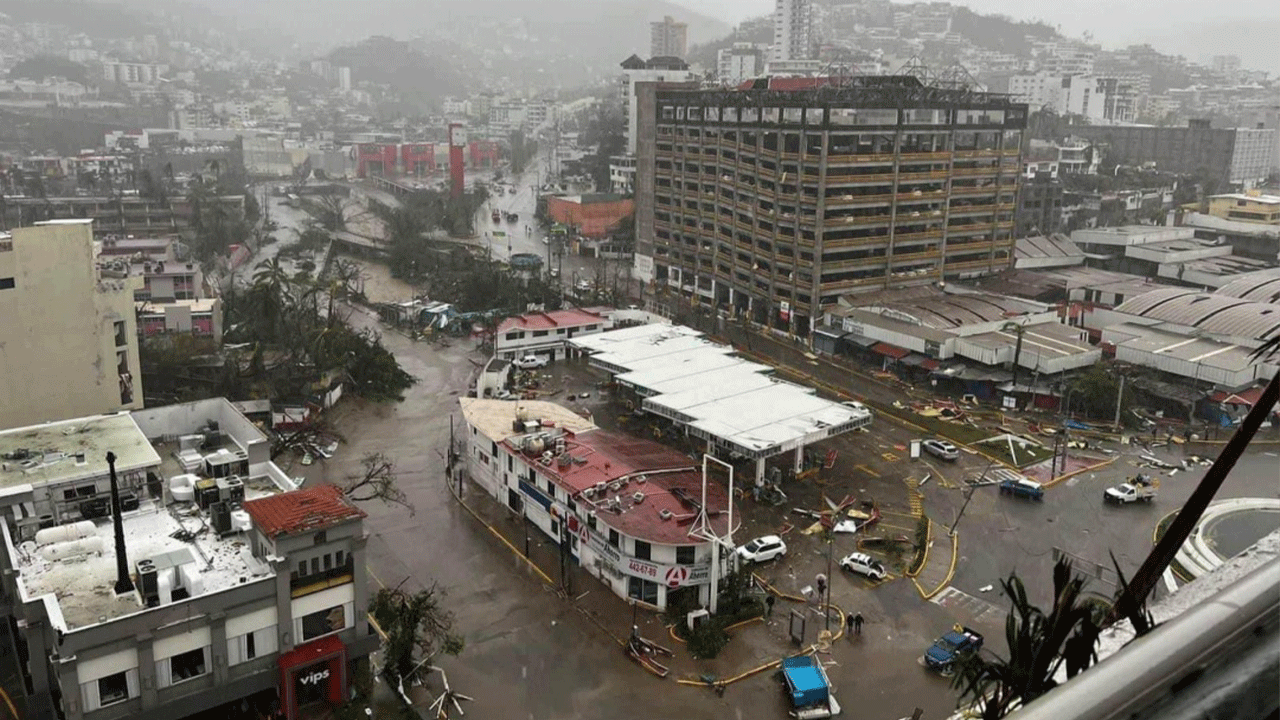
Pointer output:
x,y
58,352
645,146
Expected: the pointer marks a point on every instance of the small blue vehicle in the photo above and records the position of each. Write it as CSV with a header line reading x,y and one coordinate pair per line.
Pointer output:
x,y
1022,487
808,688
949,648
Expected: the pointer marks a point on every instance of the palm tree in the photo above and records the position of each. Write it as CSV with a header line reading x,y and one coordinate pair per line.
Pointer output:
x,y
1039,645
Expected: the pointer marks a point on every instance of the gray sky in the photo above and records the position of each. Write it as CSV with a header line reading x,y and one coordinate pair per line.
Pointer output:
x,y
1194,28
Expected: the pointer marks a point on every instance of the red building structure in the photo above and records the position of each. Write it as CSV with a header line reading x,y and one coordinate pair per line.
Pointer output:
x,y
457,169
418,158
484,154
376,159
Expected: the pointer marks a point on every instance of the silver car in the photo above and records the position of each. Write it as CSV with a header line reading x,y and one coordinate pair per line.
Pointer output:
x,y
941,449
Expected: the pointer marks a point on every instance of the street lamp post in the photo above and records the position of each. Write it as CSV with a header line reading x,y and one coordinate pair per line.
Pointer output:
x,y
703,529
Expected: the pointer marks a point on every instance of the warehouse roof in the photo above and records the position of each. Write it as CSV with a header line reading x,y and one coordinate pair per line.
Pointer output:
x,y
1205,311
947,311
1056,245
1261,286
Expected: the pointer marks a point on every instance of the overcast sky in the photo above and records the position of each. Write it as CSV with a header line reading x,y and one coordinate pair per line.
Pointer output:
x,y
1194,28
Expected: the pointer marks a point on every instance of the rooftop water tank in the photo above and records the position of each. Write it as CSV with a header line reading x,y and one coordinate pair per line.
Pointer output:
x,y
66,533
71,549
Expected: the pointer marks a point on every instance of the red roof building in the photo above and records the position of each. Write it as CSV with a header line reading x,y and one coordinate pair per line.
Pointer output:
x,y
301,511
544,333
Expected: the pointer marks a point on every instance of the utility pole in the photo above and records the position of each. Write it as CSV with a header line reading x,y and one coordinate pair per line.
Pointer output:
x,y
967,497
1119,399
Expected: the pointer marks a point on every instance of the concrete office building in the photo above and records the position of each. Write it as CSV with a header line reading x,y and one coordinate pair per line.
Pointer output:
x,y
793,30
777,202
239,586
668,38
70,335
1231,155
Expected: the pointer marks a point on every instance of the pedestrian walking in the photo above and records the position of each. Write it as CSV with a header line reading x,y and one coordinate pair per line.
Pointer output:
x,y
849,623
768,606
857,624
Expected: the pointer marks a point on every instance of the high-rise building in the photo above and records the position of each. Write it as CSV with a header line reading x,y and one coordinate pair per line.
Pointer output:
x,y
668,38
741,62
777,201
655,69
1231,155
793,30
70,333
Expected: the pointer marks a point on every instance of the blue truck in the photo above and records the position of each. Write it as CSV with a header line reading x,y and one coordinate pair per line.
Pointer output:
x,y
949,648
808,688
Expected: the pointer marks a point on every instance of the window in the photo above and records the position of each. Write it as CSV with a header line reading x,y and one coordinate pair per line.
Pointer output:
x,y
514,335
540,333
320,538
338,557
250,647
643,550
328,562
323,622
121,339
613,537
684,555
643,590
246,647
113,689
187,665
6,283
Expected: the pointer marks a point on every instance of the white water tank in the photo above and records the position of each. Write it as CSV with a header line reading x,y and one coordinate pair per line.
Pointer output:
x,y
182,487
71,549
65,533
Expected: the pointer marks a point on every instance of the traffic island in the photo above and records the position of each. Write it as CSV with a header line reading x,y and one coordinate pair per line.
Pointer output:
x,y
939,563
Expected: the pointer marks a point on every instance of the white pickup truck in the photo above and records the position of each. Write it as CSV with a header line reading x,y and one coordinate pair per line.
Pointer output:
x,y
1139,488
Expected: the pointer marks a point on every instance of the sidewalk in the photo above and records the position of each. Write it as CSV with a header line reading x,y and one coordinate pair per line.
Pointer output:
x,y
940,562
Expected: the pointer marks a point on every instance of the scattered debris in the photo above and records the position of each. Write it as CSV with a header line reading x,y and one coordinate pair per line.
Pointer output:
x,y
986,588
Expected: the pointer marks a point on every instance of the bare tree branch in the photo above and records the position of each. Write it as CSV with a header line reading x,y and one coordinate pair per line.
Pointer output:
x,y
376,482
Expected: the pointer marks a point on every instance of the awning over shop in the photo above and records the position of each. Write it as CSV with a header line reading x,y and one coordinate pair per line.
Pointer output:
x,y
892,351
828,331
964,372
920,361
860,340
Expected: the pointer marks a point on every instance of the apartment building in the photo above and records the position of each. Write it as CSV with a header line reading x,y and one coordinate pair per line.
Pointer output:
x,y
668,38
775,202
1231,155
742,61
1251,207
233,586
70,338
654,70
793,30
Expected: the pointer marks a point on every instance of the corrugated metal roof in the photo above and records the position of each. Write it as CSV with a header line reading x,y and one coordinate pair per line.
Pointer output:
x,y
1262,286
1212,313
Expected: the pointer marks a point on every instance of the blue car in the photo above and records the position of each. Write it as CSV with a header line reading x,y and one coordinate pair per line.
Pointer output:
x,y
961,641
1022,488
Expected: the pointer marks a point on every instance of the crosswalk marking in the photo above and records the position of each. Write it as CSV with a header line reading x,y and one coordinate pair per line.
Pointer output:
x,y
976,608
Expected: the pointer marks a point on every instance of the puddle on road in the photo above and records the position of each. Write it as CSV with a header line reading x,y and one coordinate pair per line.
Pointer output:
x,y
379,286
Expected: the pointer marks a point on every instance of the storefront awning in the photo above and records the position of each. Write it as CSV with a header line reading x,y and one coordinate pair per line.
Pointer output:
x,y
859,340
888,350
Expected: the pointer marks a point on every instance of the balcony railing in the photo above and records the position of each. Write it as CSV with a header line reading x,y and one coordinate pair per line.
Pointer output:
x,y
323,580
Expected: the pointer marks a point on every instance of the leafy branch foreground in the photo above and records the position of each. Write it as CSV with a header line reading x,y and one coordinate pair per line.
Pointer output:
x,y
417,627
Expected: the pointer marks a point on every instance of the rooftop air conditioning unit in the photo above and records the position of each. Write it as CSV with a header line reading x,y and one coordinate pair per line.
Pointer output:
x,y
613,486
640,479
638,497
589,493
600,486
665,514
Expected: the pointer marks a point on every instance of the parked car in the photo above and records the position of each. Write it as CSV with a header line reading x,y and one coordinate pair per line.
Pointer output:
x,y
864,564
941,449
530,362
944,652
855,405
1022,487
762,549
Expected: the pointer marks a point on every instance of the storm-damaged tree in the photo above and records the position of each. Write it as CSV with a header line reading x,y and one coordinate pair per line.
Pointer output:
x,y
417,629
376,481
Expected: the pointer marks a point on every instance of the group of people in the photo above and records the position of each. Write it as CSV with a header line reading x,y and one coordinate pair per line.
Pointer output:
x,y
853,620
